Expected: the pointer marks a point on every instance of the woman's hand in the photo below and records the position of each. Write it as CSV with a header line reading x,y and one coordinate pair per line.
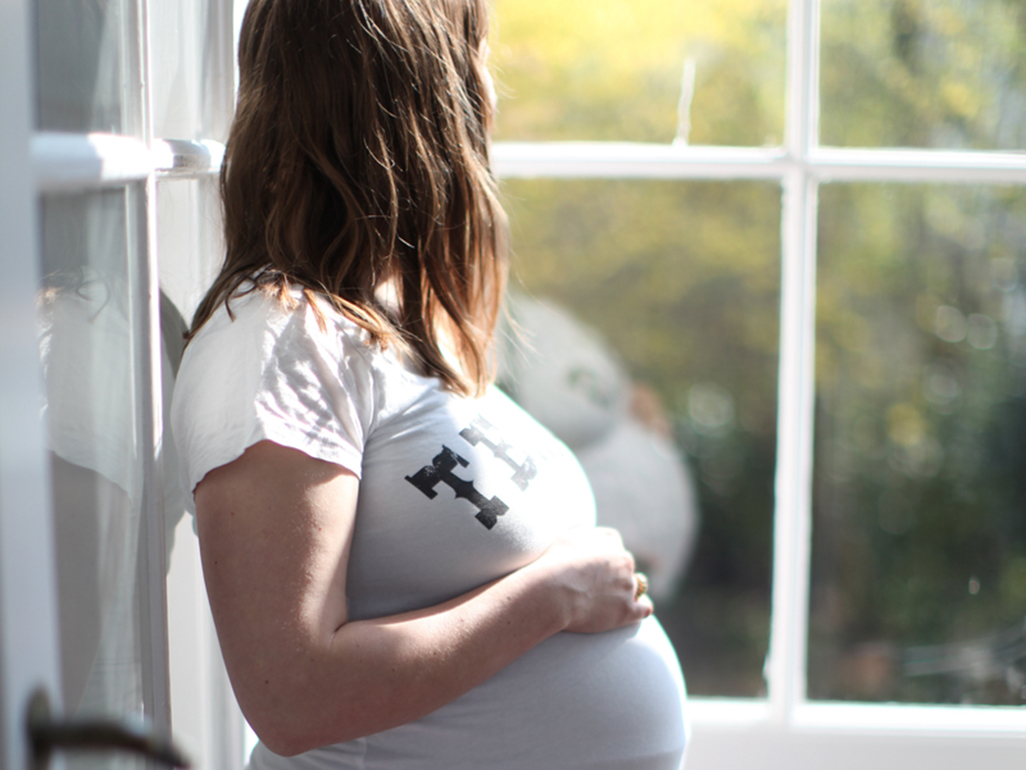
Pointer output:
x,y
593,575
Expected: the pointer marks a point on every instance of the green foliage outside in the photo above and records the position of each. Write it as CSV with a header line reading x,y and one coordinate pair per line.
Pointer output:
x,y
683,281
919,560
924,73
920,544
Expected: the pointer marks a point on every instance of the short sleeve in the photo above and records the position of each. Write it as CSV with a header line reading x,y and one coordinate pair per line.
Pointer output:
x,y
270,373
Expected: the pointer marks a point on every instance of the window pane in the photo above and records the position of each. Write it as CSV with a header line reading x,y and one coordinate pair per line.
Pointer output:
x,y
88,343
613,69
650,312
189,240
918,73
184,62
80,65
919,560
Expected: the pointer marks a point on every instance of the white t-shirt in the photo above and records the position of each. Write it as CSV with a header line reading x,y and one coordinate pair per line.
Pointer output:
x,y
454,492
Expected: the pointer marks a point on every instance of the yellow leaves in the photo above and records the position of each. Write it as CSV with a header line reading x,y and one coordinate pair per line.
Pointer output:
x,y
946,21
611,69
627,31
905,425
961,100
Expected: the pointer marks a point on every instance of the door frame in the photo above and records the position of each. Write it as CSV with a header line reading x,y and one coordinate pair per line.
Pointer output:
x,y
28,612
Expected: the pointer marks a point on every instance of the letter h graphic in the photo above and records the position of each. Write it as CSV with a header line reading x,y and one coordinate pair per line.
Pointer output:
x,y
477,433
441,471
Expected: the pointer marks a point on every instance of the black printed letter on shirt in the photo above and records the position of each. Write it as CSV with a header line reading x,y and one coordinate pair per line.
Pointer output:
x,y
477,433
441,471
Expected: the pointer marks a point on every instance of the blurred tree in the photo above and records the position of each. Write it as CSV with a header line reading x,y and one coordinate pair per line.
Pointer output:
x,y
611,70
919,512
924,73
683,280
920,363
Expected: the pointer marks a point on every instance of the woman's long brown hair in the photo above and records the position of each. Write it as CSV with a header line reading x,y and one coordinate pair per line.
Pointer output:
x,y
358,159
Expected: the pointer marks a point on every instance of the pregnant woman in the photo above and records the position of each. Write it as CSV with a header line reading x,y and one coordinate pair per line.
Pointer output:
x,y
403,566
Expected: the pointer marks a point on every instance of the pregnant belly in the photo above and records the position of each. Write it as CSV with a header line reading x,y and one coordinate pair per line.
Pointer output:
x,y
613,701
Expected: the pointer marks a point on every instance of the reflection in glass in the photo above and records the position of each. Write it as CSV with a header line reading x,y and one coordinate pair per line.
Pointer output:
x,y
915,73
87,346
183,68
919,556
652,309
190,242
189,246
80,77
641,70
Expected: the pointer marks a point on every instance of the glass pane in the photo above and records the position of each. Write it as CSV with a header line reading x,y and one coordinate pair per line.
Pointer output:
x,y
80,65
924,73
189,253
183,63
919,555
189,240
87,346
649,312
641,70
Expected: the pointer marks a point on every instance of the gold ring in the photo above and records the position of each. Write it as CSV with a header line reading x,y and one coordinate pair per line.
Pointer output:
x,y
642,588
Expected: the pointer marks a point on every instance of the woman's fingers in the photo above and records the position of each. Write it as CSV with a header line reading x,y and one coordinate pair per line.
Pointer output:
x,y
593,572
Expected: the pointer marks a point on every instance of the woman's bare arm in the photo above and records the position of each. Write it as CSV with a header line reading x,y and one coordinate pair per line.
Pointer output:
x,y
275,528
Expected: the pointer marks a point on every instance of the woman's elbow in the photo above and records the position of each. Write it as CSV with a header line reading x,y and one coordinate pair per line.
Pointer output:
x,y
286,730
283,745
296,717
285,714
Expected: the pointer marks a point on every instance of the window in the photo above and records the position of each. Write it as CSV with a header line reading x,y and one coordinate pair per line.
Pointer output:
x,y
797,226
786,241
129,102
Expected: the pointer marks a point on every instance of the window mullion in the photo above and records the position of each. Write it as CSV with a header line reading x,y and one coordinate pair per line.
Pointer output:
x,y
134,72
918,165
801,116
786,664
635,160
152,558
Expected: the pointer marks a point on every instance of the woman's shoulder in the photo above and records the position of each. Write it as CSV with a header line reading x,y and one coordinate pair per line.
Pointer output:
x,y
300,376
257,346
256,316
302,340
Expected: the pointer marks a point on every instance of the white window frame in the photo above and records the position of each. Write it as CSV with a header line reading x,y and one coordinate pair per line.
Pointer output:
x,y
28,649
785,729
